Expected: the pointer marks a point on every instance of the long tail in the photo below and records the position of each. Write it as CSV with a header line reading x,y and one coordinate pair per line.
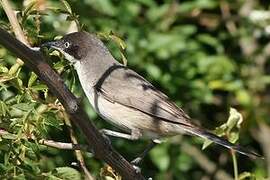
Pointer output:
x,y
223,142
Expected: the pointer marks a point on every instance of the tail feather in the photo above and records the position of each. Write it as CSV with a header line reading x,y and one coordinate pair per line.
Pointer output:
x,y
223,142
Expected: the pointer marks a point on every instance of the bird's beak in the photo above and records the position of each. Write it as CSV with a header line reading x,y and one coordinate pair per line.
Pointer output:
x,y
51,44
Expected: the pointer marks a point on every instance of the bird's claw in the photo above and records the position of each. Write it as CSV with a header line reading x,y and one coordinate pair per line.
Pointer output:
x,y
137,169
136,161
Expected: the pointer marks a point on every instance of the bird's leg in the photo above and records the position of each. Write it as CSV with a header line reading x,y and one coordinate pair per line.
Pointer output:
x,y
139,159
135,134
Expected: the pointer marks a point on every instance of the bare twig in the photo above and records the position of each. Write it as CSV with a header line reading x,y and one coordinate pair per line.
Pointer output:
x,y
226,15
102,148
235,165
14,22
263,136
209,166
15,27
61,145
51,143
78,152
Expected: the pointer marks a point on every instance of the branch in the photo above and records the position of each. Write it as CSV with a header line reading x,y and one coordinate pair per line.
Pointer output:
x,y
78,152
102,149
14,22
262,134
54,144
15,26
62,145
209,166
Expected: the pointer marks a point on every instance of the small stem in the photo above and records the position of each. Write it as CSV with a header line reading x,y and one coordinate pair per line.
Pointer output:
x,y
54,144
235,166
62,145
78,152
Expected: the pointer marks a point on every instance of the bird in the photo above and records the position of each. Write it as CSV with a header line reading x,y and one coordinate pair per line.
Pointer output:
x,y
126,99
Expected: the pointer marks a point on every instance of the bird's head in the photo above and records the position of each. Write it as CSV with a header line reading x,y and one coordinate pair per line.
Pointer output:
x,y
76,46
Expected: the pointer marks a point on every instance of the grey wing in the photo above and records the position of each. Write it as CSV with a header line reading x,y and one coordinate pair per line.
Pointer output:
x,y
126,87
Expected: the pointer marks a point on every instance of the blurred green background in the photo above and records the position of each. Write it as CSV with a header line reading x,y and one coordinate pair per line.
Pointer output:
x,y
206,55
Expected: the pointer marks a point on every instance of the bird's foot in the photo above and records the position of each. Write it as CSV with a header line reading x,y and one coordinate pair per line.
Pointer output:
x,y
136,161
108,140
137,169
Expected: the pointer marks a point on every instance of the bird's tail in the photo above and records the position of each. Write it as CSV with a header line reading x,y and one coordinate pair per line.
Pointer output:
x,y
223,142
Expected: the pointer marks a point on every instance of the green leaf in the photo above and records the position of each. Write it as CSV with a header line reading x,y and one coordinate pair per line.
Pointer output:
x,y
66,173
243,97
51,120
3,109
60,11
105,7
154,71
67,6
9,136
39,87
184,162
59,66
32,79
160,157
211,41
244,175
27,11
124,59
206,143
233,137
17,83
118,41
14,69
41,108
235,119
24,106
3,69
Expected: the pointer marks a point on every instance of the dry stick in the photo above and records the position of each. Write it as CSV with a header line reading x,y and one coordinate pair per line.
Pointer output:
x,y
51,143
15,25
226,15
78,152
102,148
61,145
14,22
262,134
209,166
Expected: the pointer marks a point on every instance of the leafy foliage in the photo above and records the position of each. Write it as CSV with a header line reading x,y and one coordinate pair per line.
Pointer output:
x,y
207,55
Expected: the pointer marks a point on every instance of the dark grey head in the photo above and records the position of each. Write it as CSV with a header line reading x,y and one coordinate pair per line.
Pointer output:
x,y
76,46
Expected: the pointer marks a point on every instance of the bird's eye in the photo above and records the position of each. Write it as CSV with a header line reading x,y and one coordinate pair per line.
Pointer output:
x,y
67,44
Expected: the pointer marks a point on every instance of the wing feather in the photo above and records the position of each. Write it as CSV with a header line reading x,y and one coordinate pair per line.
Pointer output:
x,y
126,87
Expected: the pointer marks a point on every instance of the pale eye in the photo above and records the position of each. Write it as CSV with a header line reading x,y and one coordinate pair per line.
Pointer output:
x,y
67,44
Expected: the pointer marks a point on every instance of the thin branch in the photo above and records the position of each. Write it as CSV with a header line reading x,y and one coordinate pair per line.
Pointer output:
x,y
51,143
101,146
262,135
62,145
209,166
15,26
235,166
14,22
226,15
78,152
